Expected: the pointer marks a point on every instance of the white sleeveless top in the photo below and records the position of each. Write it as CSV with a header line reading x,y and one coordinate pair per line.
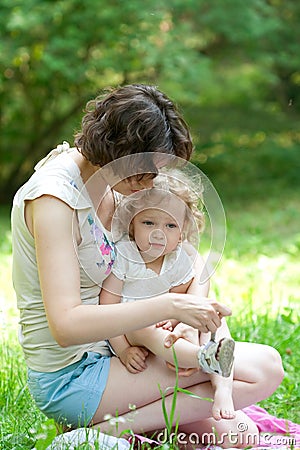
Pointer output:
x,y
59,176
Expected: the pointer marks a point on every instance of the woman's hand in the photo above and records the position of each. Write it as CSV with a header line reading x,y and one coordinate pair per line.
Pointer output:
x,y
204,314
134,359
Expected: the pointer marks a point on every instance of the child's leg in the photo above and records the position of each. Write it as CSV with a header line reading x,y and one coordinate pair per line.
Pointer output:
x,y
214,357
153,339
223,407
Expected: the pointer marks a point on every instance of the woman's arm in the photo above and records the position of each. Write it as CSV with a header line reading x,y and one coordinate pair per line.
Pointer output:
x,y
70,321
111,294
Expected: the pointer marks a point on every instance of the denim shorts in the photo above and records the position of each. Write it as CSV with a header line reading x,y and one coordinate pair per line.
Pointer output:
x,y
71,395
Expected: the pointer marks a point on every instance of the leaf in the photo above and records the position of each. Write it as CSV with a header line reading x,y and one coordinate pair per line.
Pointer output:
x,y
191,394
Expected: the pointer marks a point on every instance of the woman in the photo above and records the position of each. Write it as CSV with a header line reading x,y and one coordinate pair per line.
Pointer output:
x,y
62,252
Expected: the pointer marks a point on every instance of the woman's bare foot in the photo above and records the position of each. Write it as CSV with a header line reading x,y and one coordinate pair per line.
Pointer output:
x,y
223,407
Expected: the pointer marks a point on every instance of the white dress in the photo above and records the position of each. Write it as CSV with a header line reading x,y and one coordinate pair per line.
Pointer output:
x,y
141,282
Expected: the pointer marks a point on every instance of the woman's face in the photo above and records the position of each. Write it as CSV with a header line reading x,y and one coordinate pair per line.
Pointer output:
x,y
140,180
134,184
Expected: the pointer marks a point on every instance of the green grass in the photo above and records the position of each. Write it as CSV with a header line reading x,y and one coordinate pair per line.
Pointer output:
x,y
258,276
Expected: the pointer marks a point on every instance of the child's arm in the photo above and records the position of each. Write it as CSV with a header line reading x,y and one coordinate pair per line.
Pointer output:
x,y
185,331
198,285
133,358
172,323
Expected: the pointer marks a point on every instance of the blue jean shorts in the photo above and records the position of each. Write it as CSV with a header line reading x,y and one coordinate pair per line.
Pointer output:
x,y
71,395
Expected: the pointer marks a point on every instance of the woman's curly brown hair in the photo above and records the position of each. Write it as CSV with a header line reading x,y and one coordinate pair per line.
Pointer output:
x,y
132,119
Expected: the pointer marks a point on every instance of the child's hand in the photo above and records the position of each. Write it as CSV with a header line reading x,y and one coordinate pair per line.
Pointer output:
x,y
182,331
134,359
188,333
167,324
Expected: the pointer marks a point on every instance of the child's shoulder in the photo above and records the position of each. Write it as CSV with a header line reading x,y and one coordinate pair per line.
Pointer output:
x,y
181,259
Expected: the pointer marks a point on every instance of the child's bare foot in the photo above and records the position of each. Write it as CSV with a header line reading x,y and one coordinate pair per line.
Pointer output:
x,y
223,407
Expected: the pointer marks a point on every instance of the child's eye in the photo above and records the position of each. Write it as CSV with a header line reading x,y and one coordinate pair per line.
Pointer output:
x,y
148,223
171,225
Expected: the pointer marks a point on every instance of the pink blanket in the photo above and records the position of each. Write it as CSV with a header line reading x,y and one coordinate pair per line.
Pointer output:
x,y
274,433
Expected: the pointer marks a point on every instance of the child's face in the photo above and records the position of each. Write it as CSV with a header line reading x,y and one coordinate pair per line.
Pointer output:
x,y
157,232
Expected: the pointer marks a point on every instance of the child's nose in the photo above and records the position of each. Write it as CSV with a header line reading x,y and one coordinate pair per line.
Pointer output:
x,y
158,234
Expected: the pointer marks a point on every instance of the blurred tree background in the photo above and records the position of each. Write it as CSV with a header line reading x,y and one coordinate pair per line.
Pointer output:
x,y
233,67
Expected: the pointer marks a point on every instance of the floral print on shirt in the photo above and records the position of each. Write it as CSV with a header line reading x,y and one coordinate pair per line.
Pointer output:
x,y
103,244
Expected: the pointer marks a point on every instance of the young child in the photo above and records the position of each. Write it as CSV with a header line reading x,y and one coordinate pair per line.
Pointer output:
x,y
153,229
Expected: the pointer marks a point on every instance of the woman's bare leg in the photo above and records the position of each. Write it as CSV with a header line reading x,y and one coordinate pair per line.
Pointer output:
x,y
257,374
142,390
240,432
187,356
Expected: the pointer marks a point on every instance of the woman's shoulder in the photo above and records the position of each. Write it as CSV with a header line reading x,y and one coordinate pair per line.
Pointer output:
x,y
58,178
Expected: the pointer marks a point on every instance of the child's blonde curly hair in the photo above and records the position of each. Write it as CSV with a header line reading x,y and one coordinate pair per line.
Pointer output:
x,y
166,186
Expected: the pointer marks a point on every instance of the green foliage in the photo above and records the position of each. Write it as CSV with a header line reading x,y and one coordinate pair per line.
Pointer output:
x,y
252,165
5,235
253,326
18,415
242,60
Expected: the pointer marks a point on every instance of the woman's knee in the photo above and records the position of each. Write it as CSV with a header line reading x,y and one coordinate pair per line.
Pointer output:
x,y
274,362
272,368
261,366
